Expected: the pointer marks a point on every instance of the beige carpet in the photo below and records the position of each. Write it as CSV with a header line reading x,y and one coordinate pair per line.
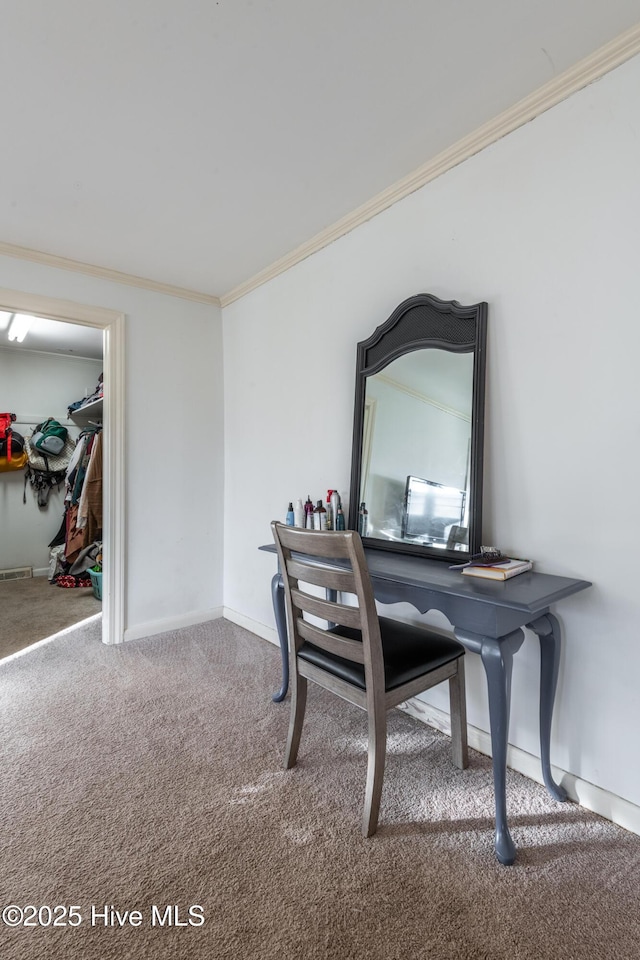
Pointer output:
x,y
33,609
151,774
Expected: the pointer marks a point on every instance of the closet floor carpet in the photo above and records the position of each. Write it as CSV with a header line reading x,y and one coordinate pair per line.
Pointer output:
x,y
34,609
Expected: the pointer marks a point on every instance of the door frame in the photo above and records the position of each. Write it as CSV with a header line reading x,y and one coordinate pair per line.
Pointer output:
x,y
112,324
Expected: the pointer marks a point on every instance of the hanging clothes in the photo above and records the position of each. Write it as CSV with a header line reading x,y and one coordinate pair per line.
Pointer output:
x,y
90,506
76,476
75,535
77,502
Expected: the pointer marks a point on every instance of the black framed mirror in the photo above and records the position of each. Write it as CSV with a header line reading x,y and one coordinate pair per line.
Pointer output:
x,y
418,430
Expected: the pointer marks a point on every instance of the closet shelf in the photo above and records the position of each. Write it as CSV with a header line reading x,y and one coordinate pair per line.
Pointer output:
x,y
90,411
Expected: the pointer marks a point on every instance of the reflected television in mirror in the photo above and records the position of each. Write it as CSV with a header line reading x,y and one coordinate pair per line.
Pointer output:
x,y
418,429
433,513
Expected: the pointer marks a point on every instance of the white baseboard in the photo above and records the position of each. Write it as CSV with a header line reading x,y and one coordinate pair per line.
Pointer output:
x,y
267,633
153,627
605,804
40,572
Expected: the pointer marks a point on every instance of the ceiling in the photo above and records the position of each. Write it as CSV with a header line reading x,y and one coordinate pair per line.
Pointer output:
x,y
54,336
196,143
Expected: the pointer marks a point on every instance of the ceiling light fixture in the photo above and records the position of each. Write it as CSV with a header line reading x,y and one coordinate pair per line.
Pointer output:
x,y
19,326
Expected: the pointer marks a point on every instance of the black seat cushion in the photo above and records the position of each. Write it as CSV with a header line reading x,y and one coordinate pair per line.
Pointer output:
x,y
409,651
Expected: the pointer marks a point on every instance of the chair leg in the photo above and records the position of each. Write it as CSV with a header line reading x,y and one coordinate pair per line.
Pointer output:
x,y
375,771
458,710
296,719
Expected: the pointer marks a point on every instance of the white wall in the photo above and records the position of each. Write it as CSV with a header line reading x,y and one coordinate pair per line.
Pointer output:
x,y
36,385
174,439
545,226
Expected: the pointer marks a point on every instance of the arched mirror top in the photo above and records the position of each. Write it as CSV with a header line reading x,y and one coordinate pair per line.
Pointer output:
x,y
418,430
418,323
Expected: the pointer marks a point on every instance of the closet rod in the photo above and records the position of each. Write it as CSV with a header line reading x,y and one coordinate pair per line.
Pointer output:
x,y
31,420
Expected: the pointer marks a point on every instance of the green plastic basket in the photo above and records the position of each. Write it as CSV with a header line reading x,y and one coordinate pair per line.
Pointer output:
x,y
96,583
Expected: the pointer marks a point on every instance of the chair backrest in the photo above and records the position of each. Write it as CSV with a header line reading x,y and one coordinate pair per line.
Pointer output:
x,y
301,554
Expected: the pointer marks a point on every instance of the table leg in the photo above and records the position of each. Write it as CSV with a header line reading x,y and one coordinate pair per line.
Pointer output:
x,y
277,598
548,630
279,611
497,659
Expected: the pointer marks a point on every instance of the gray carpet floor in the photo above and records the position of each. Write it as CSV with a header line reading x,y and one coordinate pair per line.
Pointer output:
x,y
149,775
34,609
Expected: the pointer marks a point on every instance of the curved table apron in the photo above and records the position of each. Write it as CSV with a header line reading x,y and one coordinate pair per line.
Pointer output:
x,y
487,617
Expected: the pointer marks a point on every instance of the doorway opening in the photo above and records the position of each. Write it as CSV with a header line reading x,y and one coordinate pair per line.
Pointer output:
x,y
111,325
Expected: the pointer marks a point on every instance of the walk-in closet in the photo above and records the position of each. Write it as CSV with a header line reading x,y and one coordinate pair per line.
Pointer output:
x,y
51,492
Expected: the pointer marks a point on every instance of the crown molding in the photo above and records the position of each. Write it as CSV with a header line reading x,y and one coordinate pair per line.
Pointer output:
x,y
104,273
421,397
25,354
586,71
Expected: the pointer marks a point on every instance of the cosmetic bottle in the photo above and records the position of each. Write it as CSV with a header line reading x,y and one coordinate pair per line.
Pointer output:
x,y
290,521
308,513
320,517
335,503
298,513
339,518
330,524
363,520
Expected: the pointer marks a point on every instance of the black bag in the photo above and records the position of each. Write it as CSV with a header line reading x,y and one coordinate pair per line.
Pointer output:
x,y
17,443
45,472
42,482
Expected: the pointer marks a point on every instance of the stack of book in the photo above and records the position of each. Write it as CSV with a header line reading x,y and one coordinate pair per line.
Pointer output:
x,y
500,570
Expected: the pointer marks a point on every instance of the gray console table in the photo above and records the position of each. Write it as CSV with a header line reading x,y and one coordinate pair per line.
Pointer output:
x,y
487,617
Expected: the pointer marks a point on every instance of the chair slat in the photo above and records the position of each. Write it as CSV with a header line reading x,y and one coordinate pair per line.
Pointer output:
x,y
314,543
342,647
326,609
330,578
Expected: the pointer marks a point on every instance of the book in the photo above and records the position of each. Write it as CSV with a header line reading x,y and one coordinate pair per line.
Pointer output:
x,y
502,571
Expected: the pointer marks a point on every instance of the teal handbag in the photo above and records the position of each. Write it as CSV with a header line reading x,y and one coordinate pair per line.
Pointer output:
x,y
49,437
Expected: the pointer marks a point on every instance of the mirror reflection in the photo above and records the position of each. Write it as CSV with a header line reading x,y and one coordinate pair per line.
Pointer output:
x,y
416,447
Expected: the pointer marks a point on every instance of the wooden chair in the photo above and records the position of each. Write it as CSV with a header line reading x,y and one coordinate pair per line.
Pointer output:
x,y
368,660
